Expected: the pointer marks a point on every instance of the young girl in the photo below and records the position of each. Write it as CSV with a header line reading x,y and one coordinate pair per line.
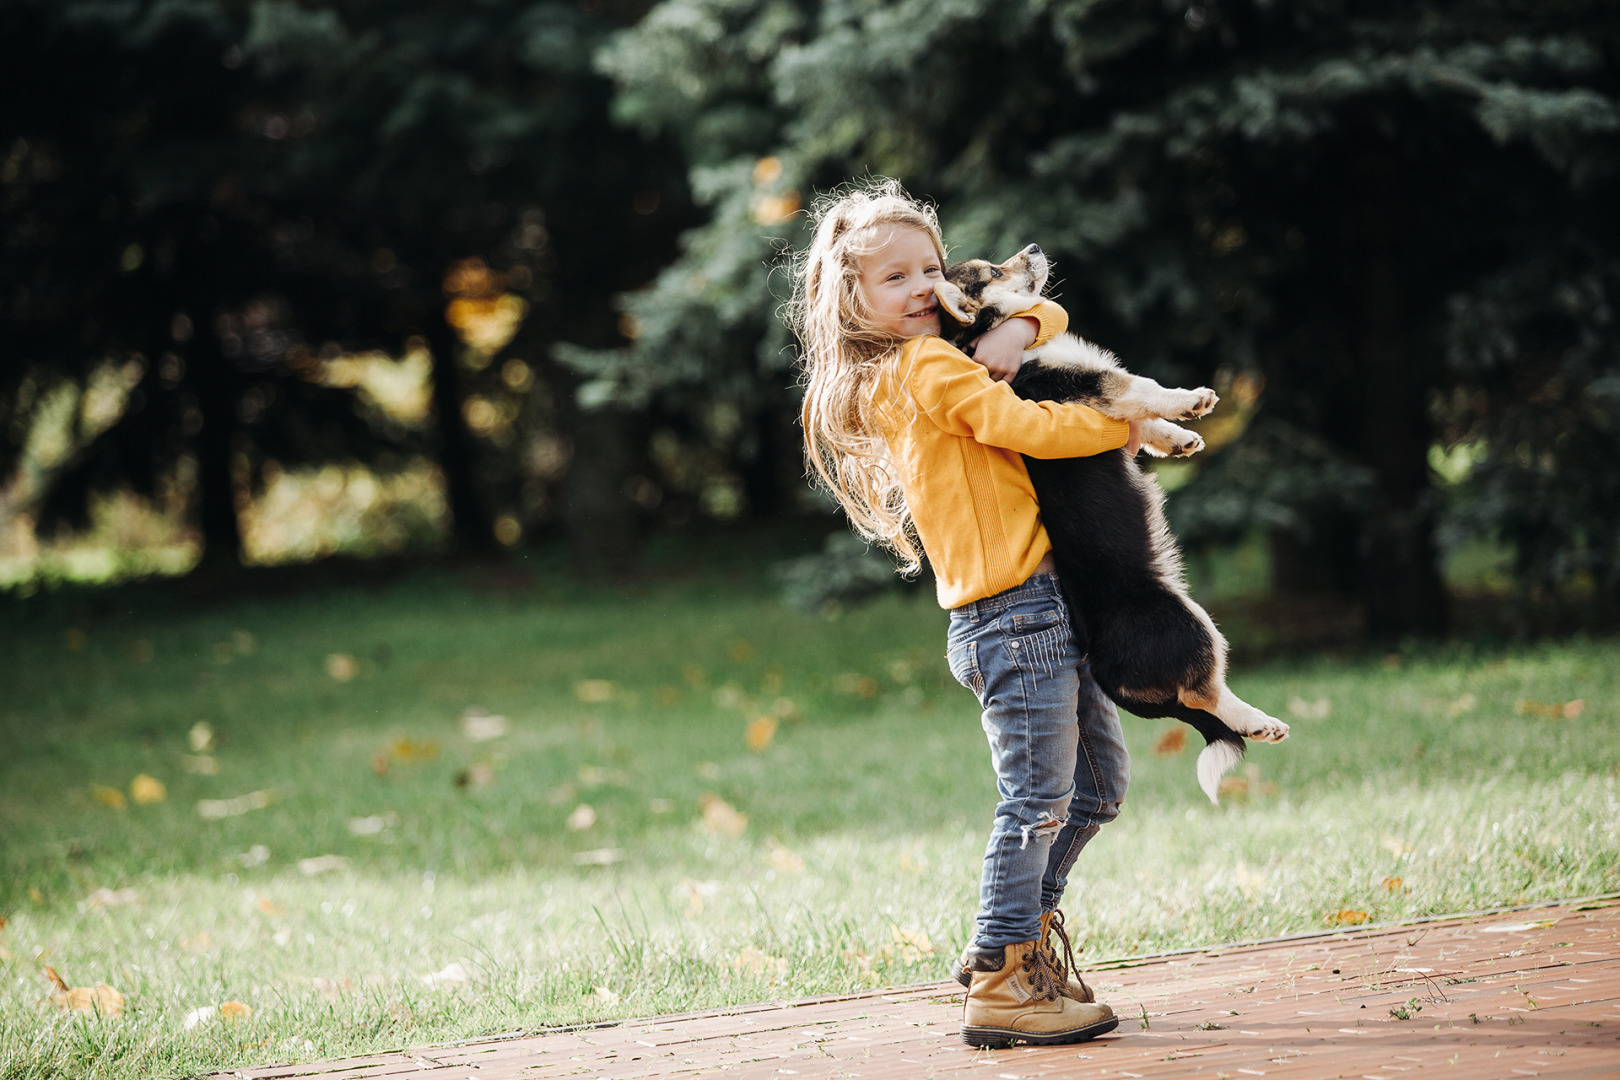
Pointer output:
x,y
921,444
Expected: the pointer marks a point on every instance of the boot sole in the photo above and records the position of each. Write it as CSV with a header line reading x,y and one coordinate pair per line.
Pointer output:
x,y
994,1037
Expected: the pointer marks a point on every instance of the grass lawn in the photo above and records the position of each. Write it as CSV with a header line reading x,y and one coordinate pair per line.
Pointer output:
x,y
700,797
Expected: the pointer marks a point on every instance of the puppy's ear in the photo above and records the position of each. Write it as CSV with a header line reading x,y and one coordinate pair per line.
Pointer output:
x,y
954,300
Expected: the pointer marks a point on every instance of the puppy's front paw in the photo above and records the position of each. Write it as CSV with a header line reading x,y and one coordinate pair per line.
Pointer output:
x,y
1199,403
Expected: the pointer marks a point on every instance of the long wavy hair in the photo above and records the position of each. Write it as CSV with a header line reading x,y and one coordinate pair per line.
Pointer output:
x,y
851,385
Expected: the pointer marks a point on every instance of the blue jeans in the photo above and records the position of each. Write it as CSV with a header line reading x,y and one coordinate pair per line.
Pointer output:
x,y
1056,744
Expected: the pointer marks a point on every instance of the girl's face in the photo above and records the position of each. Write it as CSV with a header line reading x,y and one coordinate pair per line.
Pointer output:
x,y
899,278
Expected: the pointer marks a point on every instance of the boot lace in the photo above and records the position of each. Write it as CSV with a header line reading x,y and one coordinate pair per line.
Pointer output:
x,y
1046,979
1063,966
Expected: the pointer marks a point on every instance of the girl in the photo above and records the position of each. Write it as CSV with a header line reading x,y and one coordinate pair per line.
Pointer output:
x,y
922,445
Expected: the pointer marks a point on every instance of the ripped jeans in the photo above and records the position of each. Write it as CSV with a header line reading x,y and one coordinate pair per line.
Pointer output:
x,y
1056,744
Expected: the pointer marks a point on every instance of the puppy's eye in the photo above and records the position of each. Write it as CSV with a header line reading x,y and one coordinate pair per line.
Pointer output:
x,y
994,272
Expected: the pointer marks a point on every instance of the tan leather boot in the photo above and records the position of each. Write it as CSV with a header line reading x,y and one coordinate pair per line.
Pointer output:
x,y
1015,995
1074,986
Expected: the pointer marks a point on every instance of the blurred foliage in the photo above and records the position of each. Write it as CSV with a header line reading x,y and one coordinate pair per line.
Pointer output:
x,y
1319,193
223,199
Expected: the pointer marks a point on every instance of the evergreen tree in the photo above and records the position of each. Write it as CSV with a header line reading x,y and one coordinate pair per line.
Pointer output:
x,y
1400,217
221,192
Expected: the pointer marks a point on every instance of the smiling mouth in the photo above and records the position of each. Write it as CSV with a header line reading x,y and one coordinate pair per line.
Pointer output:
x,y
924,313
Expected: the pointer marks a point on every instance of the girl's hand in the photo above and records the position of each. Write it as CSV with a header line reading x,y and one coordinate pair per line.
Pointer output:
x,y
1133,441
1001,350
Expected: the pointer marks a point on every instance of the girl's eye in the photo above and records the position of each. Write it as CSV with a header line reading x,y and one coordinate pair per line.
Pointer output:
x,y
994,272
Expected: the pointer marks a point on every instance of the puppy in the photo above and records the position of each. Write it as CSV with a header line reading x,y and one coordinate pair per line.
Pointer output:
x,y
1153,650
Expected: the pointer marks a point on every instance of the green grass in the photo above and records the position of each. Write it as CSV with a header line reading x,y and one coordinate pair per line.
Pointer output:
x,y
865,815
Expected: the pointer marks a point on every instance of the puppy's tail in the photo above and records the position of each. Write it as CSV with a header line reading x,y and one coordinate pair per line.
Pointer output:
x,y
1216,760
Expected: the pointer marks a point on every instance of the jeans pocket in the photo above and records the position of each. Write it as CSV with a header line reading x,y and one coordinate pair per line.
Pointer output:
x,y
1037,620
964,664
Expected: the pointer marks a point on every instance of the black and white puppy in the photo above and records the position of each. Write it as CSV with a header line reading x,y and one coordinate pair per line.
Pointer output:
x,y
1153,650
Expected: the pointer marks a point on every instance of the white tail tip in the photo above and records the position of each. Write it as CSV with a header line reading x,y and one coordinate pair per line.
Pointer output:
x,y
1216,760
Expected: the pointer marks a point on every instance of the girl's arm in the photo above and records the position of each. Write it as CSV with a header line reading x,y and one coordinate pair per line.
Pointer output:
x,y
959,397
1001,350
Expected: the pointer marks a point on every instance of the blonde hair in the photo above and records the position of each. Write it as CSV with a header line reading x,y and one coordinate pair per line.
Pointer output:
x,y
849,362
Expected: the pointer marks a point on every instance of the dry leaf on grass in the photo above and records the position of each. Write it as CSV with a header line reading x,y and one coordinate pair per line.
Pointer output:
x,y
105,897
1173,741
409,751
453,974
908,946
856,685
599,857
229,1011
761,730
477,775
374,824
752,961
108,796
1345,917
1393,884
341,667
100,999
604,995
720,817
218,809
322,864
695,892
1309,710
582,817
200,764
480,726
594,691
1547,710
782,859
145,790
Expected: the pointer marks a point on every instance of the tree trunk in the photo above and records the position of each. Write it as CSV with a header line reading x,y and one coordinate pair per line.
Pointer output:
x,y
469,522
1401,582
214,381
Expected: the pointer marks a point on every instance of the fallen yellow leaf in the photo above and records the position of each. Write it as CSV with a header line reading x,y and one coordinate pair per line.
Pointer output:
x,y
1173,741
754,962
108,796
761,730
1393,884
145,790
720,817
406,750
100,999
594,691
783,859
234,1010
1346,917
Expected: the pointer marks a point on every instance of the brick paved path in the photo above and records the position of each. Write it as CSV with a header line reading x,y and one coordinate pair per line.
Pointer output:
x,y
1528,993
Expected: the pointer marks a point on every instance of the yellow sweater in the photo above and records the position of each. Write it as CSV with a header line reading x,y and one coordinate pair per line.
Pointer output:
x,y
964,478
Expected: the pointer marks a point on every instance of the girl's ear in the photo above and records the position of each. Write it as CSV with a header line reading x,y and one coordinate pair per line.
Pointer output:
x,y
955,301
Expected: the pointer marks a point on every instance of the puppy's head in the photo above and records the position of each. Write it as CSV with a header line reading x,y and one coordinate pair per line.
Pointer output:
x,y
977,295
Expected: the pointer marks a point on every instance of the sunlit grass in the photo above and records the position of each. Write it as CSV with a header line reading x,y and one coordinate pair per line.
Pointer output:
x,y
1431,783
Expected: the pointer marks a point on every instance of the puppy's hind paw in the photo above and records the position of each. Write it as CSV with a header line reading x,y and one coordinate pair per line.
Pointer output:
x,y
1186,447
1269,730
1200,403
